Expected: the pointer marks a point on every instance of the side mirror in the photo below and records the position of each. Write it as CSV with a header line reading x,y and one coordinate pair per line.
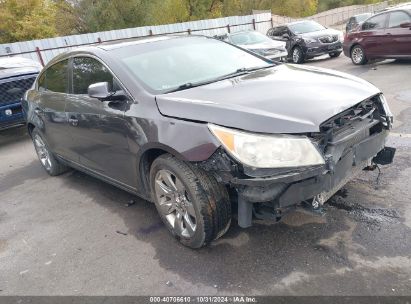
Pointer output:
x,y
101,91
285,37
406,25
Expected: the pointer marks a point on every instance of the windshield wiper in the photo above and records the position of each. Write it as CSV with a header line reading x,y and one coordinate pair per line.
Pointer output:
x,y
238,72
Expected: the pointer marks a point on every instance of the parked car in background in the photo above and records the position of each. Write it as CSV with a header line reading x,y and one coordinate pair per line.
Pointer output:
x,y
17,75
383,36
355,21
258,43
193,124
308,39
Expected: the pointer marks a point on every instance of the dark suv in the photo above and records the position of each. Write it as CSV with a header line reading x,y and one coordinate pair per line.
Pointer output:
x,y
17,75
195,125
308,39
383,36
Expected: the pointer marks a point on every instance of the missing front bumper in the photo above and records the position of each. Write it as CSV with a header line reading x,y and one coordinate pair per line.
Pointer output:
x,y
288,190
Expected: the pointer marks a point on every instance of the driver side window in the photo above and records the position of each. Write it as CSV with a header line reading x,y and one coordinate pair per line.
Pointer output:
x,y
86,71
375,23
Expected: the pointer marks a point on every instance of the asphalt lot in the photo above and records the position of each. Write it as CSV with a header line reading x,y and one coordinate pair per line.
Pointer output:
x,y
74,235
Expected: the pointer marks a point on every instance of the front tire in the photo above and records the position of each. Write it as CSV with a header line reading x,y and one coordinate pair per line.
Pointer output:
x,y
297,55
47,160
192,205
358,55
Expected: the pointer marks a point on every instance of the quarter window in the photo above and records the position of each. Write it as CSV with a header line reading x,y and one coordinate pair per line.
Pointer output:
x,y
396,18
86,71
375,23
56,77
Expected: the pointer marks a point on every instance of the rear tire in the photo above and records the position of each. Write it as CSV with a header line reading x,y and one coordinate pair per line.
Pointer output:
x,y
47,160
192,205
335,54
297,55
358,55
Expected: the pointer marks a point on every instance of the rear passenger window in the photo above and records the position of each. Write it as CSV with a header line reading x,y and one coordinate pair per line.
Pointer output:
x,y
374,23
87,71
56,77
396,18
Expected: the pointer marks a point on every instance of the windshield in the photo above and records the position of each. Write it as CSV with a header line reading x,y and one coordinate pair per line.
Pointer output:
x,y
248,38
305,27
169,64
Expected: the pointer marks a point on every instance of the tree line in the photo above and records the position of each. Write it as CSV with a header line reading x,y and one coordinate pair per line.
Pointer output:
x,y
35,19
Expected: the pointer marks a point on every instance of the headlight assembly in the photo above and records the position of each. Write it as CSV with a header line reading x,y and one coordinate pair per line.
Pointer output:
x,y
268,151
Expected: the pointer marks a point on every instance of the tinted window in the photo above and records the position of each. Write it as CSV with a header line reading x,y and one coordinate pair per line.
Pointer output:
x,y
87,71
278,31
56,77
374,23
396,18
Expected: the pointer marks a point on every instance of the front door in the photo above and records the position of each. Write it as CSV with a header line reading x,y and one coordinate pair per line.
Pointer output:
x,y
98,128
400,38
373,35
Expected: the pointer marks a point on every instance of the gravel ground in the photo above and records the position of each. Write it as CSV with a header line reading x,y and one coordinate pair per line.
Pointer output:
x,y
74,235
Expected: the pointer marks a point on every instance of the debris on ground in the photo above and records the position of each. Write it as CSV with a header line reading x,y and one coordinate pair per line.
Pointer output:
x,y
120,232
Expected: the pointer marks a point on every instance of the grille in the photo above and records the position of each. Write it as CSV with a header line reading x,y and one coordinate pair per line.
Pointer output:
x,y
329,39
14,89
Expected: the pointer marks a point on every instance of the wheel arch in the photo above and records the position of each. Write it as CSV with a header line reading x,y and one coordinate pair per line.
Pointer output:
x,y
30,128
146,159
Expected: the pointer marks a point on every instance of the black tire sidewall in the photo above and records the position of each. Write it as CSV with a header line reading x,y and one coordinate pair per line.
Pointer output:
x,y
197,240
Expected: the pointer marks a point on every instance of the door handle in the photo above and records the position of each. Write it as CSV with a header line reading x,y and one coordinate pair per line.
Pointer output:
x,y
389,34
73,121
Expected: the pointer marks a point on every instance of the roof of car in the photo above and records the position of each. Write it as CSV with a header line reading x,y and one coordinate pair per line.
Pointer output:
x,y
116,44
299,21
135,41
404,6
111,45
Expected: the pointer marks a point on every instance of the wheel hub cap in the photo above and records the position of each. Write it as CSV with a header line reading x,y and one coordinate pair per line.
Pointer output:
x,y
174,204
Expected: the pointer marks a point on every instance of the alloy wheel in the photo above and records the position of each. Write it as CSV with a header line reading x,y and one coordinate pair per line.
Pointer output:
x,y
357,55
174,203
42,152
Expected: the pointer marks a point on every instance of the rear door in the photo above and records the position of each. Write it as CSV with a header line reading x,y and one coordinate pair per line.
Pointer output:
x,y
98,128
50,108
399,38
373,37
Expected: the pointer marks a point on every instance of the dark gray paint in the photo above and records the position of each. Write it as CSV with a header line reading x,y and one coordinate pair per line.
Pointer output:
x,y
110,140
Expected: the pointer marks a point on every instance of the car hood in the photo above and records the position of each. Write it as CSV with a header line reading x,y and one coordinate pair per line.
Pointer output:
x,y
13,72
326,32
283,99
264,45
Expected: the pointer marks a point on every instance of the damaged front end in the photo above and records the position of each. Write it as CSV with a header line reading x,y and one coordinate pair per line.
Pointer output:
x,y
349,142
